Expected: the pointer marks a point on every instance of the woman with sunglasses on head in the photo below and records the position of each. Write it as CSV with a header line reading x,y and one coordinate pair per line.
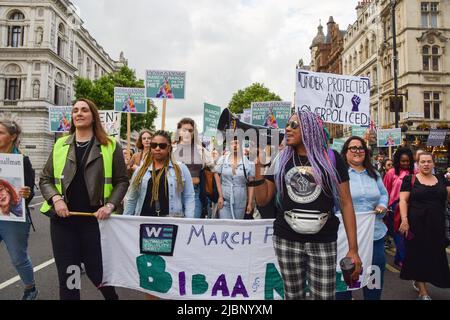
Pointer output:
x,y
423,198
403,166
189,150
85,174
233,172
16,234
143,145
302,179
159,179
368,195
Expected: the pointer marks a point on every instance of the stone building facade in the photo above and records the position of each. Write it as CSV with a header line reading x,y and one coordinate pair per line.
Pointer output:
x,y
422,33
43,48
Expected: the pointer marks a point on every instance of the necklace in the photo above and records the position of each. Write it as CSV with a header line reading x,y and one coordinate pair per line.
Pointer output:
x,y
301,168
82,144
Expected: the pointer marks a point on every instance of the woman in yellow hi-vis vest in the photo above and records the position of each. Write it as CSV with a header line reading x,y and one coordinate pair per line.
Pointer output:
x,y
85,173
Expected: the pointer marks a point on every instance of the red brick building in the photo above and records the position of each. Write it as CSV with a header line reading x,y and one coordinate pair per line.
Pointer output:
x,y
326,56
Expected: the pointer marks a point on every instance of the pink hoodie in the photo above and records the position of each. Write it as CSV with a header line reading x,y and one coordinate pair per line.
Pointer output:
x,y
393,184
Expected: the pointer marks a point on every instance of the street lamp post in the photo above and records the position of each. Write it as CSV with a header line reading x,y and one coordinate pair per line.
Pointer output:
x,y
395,58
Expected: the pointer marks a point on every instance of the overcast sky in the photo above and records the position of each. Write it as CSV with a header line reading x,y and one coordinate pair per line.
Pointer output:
x,y
223,45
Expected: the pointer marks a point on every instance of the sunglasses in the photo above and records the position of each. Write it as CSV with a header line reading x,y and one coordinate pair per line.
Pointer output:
x,y
355,149
162,146
293,124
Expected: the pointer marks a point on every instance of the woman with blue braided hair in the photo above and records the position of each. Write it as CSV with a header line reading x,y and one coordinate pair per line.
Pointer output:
x,y
304,178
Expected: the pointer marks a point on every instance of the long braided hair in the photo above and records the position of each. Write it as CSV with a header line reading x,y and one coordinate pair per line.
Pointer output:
x,y
314,137
156,178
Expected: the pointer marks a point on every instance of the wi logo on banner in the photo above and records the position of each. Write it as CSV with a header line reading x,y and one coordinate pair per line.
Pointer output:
x,y
158,239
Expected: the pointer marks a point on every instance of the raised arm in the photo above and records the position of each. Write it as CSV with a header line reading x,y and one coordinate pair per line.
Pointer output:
x,y
265,191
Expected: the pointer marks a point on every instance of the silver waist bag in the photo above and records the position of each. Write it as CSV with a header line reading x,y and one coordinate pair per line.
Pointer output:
x,y
306,221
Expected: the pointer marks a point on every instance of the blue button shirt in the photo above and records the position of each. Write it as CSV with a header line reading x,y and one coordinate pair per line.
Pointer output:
x,y
367,194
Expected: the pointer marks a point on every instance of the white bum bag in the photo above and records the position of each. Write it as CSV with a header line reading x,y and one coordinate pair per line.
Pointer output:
x,y
306,221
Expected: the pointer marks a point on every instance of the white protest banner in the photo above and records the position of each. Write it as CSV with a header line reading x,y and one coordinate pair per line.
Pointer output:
x,y
389,137
176,258
111,122
59,118
335,98
12,205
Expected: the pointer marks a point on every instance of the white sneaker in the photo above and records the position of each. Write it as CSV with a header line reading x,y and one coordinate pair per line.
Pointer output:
x,y
415,286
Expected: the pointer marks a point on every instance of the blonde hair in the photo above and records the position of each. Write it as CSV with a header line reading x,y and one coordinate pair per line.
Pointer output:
x,y
156,178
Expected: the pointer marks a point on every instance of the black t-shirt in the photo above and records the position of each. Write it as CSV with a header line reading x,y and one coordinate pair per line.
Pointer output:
x,y
77,193
163,199
189,155
301,192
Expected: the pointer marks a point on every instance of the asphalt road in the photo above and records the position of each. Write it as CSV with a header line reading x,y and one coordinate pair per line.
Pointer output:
x,y
41,253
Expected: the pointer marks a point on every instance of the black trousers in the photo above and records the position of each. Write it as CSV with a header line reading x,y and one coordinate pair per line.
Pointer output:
x,y
76,240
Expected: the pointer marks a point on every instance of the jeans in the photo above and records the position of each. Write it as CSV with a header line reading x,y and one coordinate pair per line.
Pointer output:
x,y
198,202
15,235
378,259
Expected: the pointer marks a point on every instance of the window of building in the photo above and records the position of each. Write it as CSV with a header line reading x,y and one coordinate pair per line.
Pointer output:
x,y
15,32
59,46
16,15
57,96
88,68
80,62
375,76
373,46
366,49
432,105
12,89
15,36
60,41
430,58
429,14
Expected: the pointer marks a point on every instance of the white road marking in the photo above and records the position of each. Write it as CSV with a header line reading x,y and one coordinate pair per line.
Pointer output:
x,y
36,204
17,278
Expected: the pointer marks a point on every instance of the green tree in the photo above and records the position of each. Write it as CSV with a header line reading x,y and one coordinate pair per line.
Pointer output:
x,y
257,92
101,92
